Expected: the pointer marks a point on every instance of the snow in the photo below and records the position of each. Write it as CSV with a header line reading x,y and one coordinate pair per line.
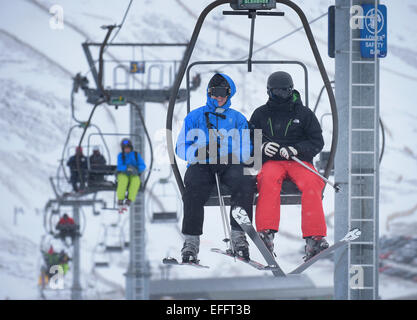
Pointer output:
x,y
36,66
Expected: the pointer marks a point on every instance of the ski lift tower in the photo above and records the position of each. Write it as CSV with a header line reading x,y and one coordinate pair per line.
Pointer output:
x,y
357,161
135,82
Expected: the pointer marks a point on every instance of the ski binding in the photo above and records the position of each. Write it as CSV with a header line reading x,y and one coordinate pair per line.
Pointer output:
x,y
173,261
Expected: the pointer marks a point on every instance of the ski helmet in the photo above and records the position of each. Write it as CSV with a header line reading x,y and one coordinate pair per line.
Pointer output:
x,y
126,143
280,79
280,85
218,86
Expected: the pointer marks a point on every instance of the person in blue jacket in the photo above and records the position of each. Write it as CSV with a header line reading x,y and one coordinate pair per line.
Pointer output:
x,y
129,165
213,140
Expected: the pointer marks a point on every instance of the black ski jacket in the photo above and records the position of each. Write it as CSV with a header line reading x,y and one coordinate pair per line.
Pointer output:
x,y
72,163
289,124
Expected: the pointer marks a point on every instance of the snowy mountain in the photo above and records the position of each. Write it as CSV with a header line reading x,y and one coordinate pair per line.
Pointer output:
x,y
37,64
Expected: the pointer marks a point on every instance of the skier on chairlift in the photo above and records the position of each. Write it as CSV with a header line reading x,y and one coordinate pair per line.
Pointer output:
x,y
129,166
289,129
193,145
78,167
67,228
97,163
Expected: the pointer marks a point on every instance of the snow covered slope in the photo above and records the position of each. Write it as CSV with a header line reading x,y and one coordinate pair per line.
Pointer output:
x,y
36,66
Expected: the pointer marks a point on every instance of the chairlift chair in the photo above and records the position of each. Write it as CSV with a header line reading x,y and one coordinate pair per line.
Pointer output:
x,y
101,258
166,198
290,193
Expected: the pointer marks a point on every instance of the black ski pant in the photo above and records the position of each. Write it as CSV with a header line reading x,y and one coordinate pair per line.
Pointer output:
x,y
199,182
75,180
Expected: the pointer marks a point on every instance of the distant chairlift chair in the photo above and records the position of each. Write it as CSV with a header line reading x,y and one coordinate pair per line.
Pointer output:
x,y
162,215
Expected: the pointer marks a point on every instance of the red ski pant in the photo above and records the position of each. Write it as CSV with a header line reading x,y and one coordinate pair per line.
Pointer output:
x,y
270,179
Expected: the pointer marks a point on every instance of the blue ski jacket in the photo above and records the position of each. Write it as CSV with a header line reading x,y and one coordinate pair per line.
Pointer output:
x,y
194,133
130,159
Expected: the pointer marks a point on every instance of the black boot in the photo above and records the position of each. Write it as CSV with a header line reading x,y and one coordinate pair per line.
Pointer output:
x,y
240,244
314,245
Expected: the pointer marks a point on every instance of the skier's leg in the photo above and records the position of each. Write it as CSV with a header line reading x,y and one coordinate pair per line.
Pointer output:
x,y
83,180
73,181
242,189
311,186
122,182
199,182
270,180
134,185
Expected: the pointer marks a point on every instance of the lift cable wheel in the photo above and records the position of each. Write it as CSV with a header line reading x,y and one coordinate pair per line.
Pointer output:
x,y
247,5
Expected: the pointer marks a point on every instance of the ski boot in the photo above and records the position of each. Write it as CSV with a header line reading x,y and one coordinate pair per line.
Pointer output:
x,y
240,244
190,249
314,245
121,207
267,237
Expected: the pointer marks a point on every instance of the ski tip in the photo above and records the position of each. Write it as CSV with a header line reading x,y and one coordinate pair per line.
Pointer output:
x,y
169,260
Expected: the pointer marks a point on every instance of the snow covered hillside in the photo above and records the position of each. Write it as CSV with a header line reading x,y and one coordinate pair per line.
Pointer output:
x,y
36,69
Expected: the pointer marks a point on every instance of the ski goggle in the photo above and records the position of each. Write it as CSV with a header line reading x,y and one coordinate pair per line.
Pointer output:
x,y
283,93
126,142
219,91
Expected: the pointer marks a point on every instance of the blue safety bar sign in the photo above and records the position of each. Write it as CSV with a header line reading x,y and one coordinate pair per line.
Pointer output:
x,y
369,29
137,67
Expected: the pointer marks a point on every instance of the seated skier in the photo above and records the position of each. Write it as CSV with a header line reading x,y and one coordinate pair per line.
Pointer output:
x,y
129,166
53,258
294,131
97,163
67,228
78,168
193,145
63,261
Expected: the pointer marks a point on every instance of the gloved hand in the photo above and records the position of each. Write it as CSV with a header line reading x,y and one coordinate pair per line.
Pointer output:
x,y
287,152
202,153
270,148
132,170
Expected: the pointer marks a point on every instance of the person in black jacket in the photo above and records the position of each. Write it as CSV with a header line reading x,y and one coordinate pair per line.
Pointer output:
x,y
97,163
289,129
78,167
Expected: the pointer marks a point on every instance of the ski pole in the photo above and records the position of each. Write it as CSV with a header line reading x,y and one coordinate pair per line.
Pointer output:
x,y
226,225
335,186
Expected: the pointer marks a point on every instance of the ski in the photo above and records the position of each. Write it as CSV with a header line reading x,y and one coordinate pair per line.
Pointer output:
x,y
252,263
241,217
351,235
173,261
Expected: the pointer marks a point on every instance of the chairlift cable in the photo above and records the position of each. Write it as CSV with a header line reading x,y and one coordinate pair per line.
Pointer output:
x,y
123,21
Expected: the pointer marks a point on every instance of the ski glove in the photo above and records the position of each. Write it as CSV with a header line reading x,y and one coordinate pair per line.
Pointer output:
x,y
202,153
270,148
132,170
288,152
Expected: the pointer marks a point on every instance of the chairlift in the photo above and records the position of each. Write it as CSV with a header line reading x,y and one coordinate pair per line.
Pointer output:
x,y
69,151
167,195
101,258
290,193
113,238
53,215
105,170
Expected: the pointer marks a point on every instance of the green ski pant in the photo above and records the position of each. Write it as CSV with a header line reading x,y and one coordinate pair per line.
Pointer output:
x,y
129,183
